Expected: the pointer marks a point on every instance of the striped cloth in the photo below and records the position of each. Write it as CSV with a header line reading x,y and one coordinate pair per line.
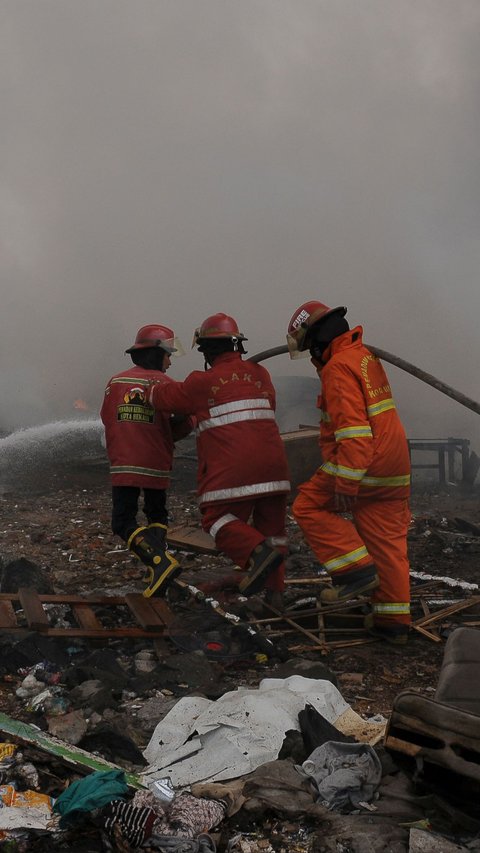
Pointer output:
x,y
145,825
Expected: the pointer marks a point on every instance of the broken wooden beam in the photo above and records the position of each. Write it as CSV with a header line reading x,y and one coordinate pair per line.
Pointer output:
x,y
143,611
86,617
153,616
191,538
464,604
298,627
33,609
427,634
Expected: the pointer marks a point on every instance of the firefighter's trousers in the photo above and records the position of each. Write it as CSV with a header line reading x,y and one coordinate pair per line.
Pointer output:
x,y
228,523
125,508
377,534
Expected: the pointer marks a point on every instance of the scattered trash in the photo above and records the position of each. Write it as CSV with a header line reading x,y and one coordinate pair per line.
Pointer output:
x,y
204,740
163,790
104,702
74,757
343,774
91,792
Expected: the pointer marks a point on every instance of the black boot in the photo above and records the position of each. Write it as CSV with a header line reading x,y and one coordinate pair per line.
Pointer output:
x,y
163,567
159,531
263,561
395,634
350,585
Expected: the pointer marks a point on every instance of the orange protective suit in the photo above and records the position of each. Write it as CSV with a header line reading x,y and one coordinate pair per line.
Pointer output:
x,y
365,455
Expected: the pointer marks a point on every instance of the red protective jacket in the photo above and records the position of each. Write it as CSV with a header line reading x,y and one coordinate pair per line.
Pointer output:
x,y
362,438
139,440
240,452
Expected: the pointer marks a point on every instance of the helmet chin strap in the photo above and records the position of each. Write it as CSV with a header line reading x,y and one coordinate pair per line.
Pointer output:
x,y
208,360
235,344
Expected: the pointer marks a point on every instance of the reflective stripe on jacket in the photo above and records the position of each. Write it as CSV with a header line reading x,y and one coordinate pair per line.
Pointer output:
x,y
362,439
240,451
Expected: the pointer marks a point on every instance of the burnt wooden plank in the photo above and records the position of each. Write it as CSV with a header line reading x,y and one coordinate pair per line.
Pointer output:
x,y
428,634
163,611
86,618
404,746
33,609
302,581
296,625
91,633
105,632
144,612
7,615
113,600
464,604
107,600
190,538
152,615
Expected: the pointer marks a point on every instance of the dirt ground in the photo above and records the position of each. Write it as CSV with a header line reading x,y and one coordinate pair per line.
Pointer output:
x,y
58,517
62,523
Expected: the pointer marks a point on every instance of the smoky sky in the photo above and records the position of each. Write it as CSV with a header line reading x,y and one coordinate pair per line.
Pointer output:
x,y
162,160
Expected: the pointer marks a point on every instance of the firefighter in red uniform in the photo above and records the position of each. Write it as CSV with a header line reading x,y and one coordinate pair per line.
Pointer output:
x,y
365,472
242,466
140,445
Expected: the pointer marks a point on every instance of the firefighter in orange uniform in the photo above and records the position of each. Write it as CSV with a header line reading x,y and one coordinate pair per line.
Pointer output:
x,y
365,472
242,466
140,445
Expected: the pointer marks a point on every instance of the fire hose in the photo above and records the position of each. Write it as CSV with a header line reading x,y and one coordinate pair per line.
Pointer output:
x,y
397,362
262,643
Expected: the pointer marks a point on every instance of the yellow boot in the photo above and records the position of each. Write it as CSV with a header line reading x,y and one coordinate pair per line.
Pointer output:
x,y
162,566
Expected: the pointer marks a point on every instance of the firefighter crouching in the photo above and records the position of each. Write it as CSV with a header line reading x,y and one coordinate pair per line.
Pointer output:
x,y
365,472
242,466
140,446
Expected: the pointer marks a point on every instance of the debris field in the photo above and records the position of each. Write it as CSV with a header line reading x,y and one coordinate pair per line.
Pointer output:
x,y
86,660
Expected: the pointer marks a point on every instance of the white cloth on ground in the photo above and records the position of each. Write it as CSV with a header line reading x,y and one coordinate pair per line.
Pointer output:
x,y
200,740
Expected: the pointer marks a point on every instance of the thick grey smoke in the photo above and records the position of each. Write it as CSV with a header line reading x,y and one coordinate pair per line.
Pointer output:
x,y
165,159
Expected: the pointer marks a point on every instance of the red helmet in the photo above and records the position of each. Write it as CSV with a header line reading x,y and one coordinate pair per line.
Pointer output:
x,y
303,319
218,326
157,336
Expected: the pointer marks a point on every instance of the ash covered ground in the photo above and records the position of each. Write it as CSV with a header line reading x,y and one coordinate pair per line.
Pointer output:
x,y
62,523
55,512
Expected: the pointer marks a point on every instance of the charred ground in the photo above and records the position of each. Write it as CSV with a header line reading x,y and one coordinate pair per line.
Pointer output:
x,y
61,522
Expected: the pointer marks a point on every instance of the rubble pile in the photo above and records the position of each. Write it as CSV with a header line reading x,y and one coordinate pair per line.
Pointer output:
x,y
150,743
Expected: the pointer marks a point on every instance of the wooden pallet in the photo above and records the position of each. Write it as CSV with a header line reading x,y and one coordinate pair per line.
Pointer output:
x,y
153,616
